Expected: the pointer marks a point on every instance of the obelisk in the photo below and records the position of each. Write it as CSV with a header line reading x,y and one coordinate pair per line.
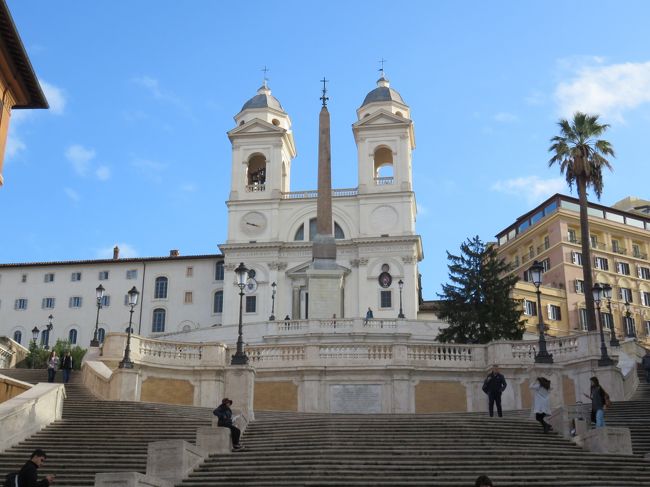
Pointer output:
x,y
324,245
325,277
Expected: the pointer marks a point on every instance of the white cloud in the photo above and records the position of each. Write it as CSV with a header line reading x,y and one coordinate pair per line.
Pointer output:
x,y
422,210
532,188
55,97
80,158
505,117
103,173
150,168
72,194
126,251
152,85
14,144
605,90
189,187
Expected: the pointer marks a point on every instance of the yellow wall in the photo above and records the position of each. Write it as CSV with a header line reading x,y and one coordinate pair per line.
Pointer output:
x,y
10,389
168,391
275,396
440,396
568,390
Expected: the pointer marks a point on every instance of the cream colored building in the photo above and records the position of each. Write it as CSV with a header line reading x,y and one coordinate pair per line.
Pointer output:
x,y
176,293
620,244
18,83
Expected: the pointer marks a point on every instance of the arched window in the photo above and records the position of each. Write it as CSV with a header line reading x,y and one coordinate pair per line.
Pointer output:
x,y
158,321
72,336
256,173
338,231
101,335
383,165
300,233
45,335
18,336
160,290
218,302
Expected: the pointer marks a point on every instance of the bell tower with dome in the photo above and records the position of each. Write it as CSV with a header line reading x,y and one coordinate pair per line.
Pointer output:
x,y
372,245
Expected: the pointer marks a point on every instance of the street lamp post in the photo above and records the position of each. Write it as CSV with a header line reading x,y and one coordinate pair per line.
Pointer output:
x,y
49,328
126,362
535,272
99,293
400,283
604,360
607,293
240,357
272,317
35,332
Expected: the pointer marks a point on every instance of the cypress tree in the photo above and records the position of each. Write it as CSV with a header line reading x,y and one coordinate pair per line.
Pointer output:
x,y
477,301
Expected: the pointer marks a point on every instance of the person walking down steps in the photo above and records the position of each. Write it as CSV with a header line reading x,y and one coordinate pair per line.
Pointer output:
x,y
66,366
225,420
494,385
52,365
542,401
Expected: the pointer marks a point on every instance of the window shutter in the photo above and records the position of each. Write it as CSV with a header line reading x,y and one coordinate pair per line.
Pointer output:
x,y
596,263
43,303
620,294
549,312
575,285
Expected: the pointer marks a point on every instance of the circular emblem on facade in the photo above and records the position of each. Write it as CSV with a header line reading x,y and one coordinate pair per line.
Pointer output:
x,y
251,286
385,279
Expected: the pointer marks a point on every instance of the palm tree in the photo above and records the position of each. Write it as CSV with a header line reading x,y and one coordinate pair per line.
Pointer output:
x,y
580,154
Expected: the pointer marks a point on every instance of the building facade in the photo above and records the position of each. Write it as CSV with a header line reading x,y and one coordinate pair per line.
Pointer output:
x,y
620,244
176,293
270,227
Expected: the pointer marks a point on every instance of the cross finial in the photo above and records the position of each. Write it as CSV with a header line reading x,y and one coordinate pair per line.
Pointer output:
x,y
381,70
324,97
265,70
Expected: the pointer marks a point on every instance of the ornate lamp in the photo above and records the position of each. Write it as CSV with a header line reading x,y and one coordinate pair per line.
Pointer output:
x,y
240,357
535,273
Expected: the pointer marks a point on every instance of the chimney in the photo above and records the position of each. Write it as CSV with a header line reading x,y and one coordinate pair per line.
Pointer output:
x,y
116,252
174,253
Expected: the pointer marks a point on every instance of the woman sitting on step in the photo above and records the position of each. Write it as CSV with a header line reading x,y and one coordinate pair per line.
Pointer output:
x,y
542,402
224,413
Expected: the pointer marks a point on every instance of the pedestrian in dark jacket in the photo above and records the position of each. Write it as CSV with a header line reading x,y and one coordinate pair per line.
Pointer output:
x,y
493,385
224,415
599,400
66,365
645,362
28,475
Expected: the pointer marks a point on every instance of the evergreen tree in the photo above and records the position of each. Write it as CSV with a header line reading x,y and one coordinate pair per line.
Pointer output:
x,y
477,303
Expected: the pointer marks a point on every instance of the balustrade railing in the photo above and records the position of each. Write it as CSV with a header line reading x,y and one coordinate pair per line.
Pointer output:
x,y
368,352
380,323
440,353
313,193
385,180
289,353
255,188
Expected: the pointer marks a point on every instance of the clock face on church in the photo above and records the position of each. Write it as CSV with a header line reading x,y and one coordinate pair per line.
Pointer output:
x,y
253,223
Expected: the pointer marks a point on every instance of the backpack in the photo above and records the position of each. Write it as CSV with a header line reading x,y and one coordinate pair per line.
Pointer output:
x,y
11,480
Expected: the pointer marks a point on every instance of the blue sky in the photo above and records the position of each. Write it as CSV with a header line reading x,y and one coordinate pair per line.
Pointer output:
x,y
134,150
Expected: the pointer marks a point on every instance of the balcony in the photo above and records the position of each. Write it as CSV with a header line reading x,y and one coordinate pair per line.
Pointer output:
x,y
384,181
255,188
313,193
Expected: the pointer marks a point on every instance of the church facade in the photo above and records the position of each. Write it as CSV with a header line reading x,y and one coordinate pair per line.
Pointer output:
x,y
271,228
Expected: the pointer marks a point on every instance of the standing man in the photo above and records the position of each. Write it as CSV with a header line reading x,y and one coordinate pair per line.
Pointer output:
x,y
646,365
66,365
493,385
28,475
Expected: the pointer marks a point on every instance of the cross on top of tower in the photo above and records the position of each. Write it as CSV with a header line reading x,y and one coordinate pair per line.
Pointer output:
x,y
324,97
265,70
381,69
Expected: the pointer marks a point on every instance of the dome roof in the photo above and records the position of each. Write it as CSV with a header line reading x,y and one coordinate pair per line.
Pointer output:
x,y
383,92
263,99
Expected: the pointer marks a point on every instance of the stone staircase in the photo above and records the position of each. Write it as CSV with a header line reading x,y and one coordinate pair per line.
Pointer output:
x,y
635,415
302,449
442,450
100,436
